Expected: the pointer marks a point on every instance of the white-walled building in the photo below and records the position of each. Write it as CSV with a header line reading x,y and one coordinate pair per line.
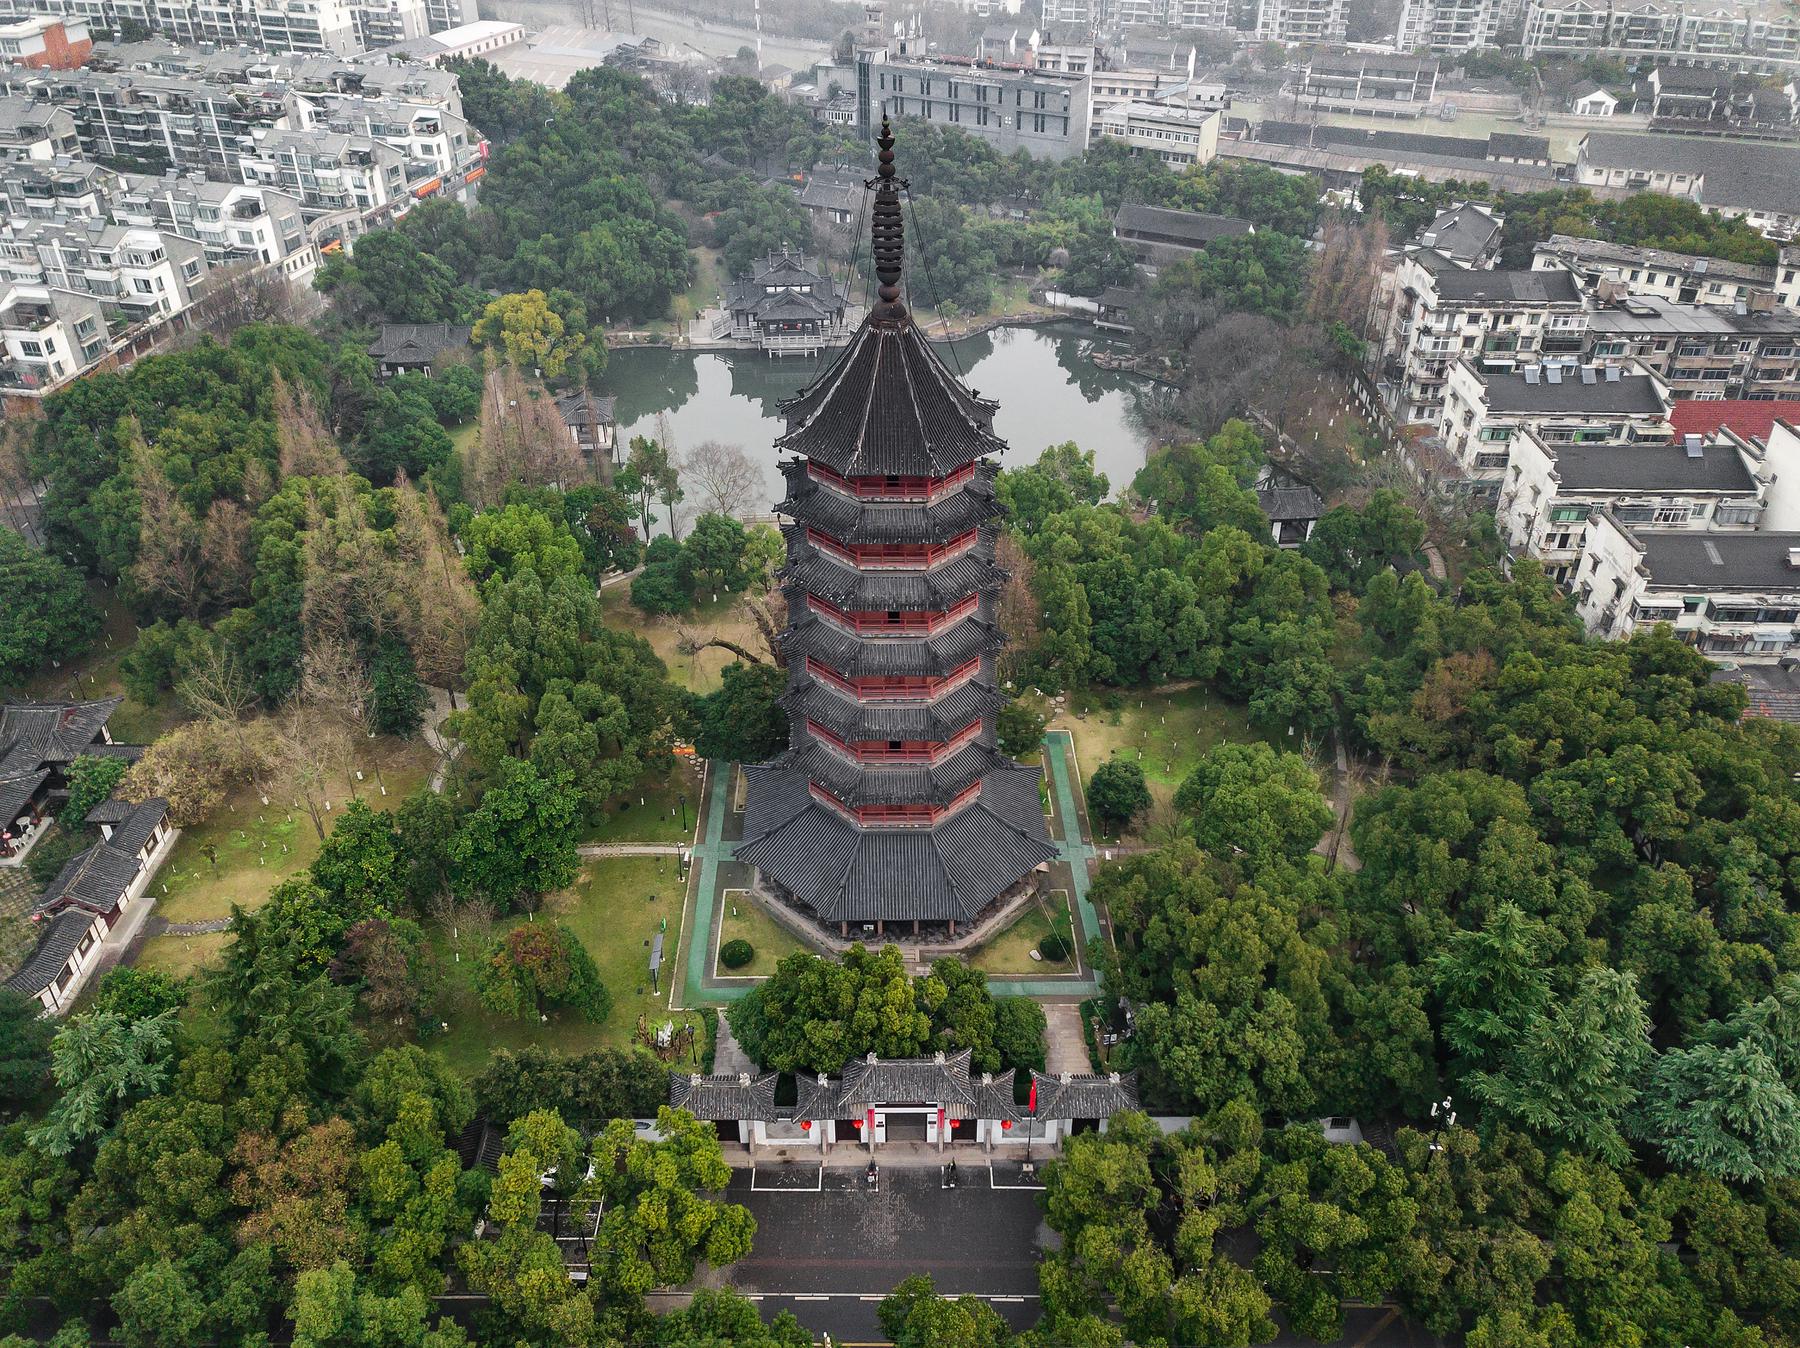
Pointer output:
x,y
1177,136
1485,411
1678,277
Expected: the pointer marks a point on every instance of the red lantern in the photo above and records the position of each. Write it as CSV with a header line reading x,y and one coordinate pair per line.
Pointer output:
x,y
1006,1125
806,1125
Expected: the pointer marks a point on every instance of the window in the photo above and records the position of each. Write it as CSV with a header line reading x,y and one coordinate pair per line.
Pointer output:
x,y
1568,514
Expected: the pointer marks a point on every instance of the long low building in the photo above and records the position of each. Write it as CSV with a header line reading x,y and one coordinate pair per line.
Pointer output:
x,y
878,1101
1756,181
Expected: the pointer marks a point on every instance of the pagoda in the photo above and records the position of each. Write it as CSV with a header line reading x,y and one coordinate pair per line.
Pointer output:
x,y
892,803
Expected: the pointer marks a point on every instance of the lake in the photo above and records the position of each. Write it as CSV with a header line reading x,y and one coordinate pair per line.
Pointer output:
x,y
1048,389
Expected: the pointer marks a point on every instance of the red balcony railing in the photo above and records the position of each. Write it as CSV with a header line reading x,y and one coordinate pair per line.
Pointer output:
x,y
892,556
933,752
895,688
894,622
916,489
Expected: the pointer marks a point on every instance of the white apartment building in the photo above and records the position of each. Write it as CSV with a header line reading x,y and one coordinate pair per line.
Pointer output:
x,y
1448,27
1678,277
69,188
1445,314
34,132
1768,34
1730,595
1043,112
1382,84
1299,22
145,274
1180,137
330,173
1485,411
1550,493
1749,350
339,27
230,221
49,336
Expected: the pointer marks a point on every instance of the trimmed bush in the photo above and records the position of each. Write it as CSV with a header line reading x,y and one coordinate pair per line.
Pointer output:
x,y
736,954
1054,948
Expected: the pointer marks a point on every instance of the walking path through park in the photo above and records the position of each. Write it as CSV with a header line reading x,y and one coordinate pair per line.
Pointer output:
x,y
1065,1048
630,849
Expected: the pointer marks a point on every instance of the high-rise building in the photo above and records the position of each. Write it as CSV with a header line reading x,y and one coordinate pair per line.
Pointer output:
x,y
892,804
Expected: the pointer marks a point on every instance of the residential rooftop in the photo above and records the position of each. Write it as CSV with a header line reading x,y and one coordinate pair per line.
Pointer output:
x,y
1699,562
1508,287
1556,388
1670,467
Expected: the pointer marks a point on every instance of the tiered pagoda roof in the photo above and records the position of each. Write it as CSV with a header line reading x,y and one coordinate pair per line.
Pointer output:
x,y
892,802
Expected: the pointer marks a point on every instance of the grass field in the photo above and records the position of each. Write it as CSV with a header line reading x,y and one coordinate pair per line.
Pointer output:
x,y
96,675
1166,733
660,818
697,672
616,907
745,919
181,955
258,846
1009,952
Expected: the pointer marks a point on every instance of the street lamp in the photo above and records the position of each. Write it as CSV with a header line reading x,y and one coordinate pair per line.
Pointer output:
x,y
682,797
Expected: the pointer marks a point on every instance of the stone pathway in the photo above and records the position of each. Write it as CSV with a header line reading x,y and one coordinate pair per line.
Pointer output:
x,y
1434,561
631,849
1065,1048
157,926
729,1058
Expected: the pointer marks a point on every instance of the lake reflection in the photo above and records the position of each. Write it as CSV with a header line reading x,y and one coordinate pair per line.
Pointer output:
x,y
1048,390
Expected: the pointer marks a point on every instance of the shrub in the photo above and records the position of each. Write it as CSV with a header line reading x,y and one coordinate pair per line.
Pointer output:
x,y
1117,794
1054,948
736,954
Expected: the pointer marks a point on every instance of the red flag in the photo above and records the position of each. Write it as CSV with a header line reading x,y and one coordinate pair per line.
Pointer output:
x,y
1034,1096
940,1121
871,1125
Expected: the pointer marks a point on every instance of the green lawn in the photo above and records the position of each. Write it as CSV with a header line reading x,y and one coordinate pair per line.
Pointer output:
x,y
1165,733
698,671
745,918
258,846
181,955
96,675
1009,952
615,908
652,811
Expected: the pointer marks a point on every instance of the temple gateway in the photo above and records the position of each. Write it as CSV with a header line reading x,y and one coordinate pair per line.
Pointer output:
x,y
892,803
876,1101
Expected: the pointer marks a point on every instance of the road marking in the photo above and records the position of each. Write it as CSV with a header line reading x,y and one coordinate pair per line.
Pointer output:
x,y
995,1184
866,1298
818,1184
802,1297
1007,1299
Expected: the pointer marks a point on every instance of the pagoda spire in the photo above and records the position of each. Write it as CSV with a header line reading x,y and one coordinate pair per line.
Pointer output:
x,y
887,242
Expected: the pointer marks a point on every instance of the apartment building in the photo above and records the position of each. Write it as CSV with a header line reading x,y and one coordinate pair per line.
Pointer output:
x,y
1180,14
1043,112
1376,83
232,222
145,273
1448,27
1749,350
435,143
1485,411
331,174
1180,137
63,188
1299,22
49,336
1550,493
43,43
1758,182
32,132
1730,595
1677,277
1764,33
340,27
1446,313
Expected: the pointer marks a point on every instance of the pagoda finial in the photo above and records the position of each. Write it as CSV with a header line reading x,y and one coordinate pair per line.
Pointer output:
x,y
886,232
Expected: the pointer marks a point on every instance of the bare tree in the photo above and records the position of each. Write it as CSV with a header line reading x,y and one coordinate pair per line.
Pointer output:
x,y
1019,614
170,560
1346,271
726,481
18,493
437,607
214,686
307,448
350,577
225,552
522,439
251,292
315,749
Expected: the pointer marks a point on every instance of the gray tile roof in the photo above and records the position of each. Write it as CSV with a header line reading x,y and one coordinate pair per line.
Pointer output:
x,y
1465,232
1703,562
1570,392
718,1098
994,1097
1773,691
1741,175
97,879
1192,229
16,791
1086,1096
1508,287
1596,252
39,734
418,343
1652,468
46,964
942,1080
1514,146
1289,503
